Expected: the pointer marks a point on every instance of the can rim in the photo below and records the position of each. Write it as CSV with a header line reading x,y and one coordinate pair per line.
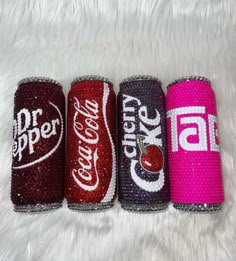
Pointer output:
x,y
90,206
189,78
140,78
198,207
159,206
38,207
38,79
91,78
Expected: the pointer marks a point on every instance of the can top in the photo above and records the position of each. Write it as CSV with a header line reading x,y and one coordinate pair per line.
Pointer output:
x,y
140,78
39,79
91,78
189,78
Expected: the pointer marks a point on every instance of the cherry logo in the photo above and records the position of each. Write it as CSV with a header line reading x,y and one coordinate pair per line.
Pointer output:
x,y
151,158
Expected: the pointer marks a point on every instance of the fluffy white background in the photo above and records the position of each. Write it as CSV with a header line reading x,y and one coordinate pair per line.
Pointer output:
x,y
168,39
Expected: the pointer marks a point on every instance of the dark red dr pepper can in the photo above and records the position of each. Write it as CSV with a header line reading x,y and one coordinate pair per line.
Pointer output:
x,y
143,169
38,145
91,158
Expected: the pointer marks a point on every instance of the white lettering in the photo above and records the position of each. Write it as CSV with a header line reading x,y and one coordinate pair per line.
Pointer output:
x,y
90,110
151,135
150,186
23,120
181,138
129,127
200,131
143,115
137,120
27,132
34,136
213,132
127,99
34,116
22,143
86,130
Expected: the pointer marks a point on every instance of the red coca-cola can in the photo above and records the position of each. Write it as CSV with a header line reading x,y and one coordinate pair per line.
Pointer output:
x,y
90,182
38,145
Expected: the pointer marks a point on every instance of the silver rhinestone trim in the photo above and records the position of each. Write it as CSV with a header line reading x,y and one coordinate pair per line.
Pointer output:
x,y
36,207
144,207
198,207
90,206
91,78
38,79
189,78
140,78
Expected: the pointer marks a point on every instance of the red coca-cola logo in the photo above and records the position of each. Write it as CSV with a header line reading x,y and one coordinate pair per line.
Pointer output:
x,y
29,130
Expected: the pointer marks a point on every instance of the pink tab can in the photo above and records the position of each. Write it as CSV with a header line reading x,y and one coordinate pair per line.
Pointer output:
x,y
193,145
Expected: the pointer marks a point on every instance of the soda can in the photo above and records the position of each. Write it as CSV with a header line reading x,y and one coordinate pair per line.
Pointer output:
x,y
38,145
143,168
194,153
91,155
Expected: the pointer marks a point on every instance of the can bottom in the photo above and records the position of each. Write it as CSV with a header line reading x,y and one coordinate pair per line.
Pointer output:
x,y
198,207
90,206
39,207
145,207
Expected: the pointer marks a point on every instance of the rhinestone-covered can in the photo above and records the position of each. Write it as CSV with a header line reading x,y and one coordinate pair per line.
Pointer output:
x,y
91,156
142,153
194,154
37,182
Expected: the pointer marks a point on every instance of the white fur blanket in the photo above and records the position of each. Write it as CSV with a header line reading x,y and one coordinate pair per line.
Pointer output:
x,y
117,38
